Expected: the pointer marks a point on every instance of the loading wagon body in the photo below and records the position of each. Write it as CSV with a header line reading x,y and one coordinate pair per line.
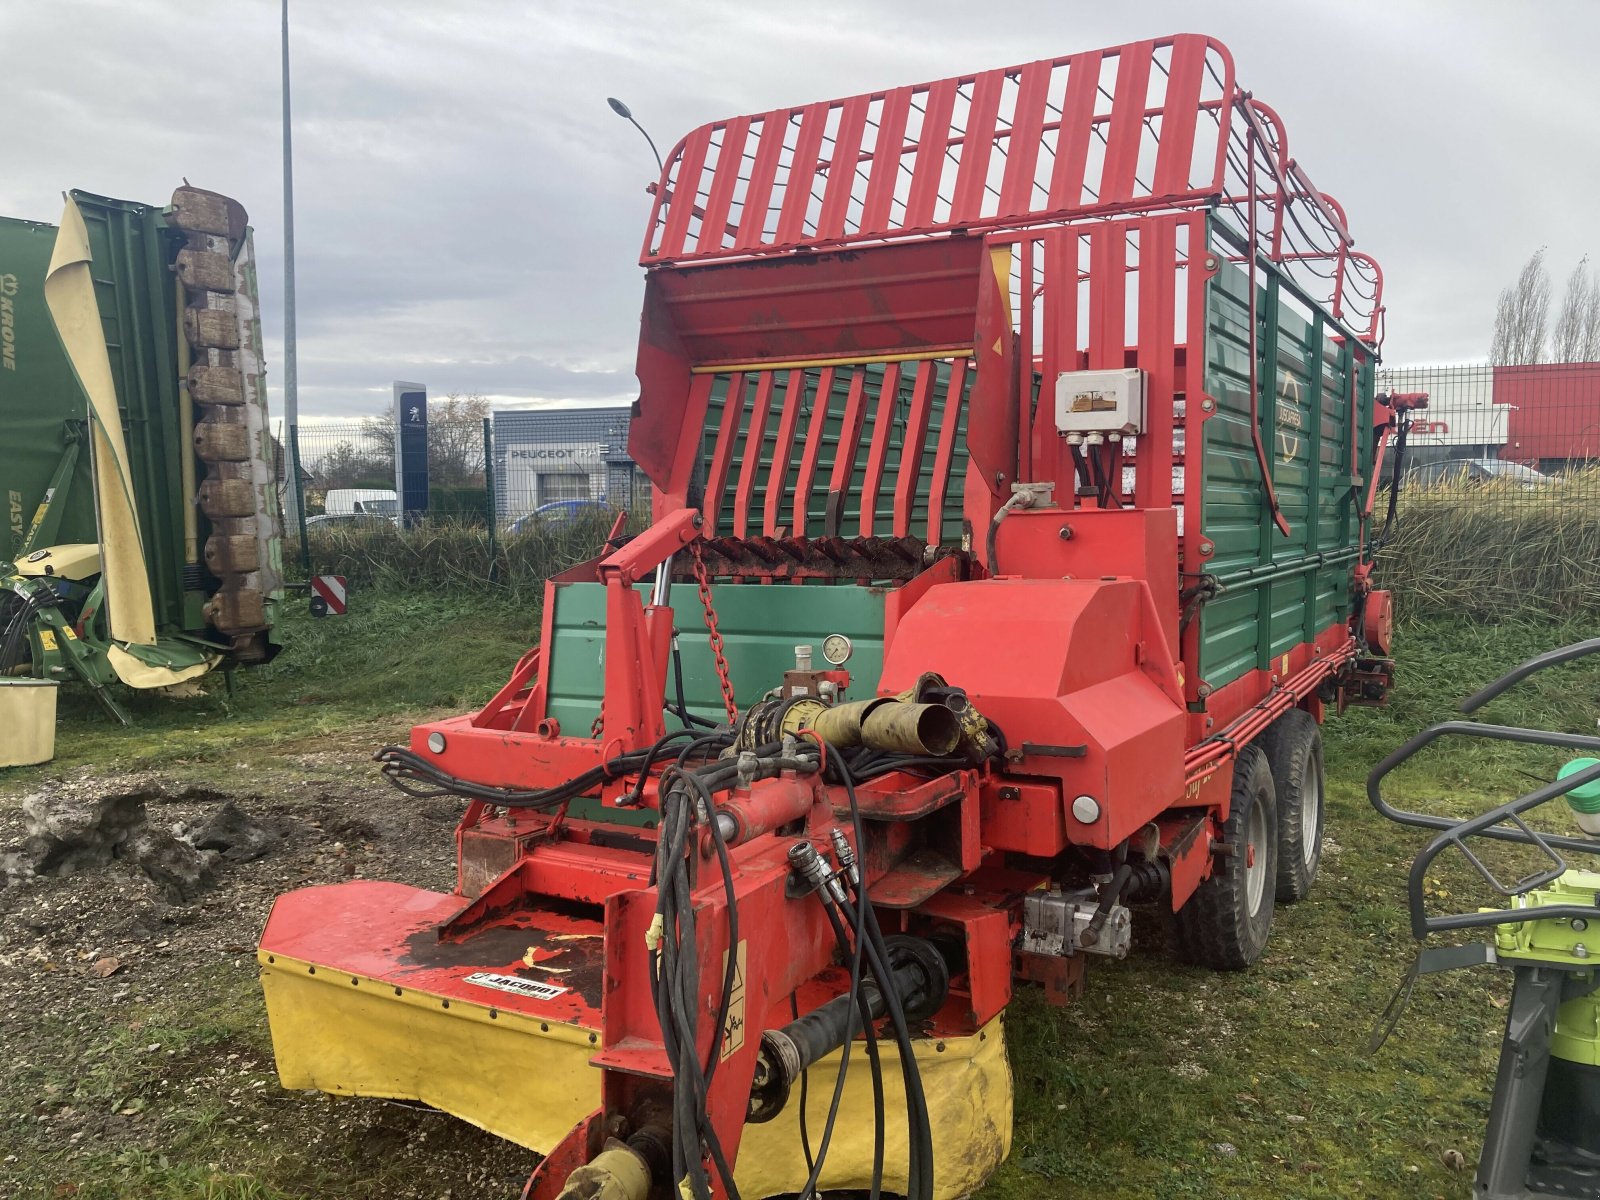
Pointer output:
x,y
1044,394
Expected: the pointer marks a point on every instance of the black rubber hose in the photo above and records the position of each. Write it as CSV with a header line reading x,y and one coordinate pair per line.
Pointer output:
x,y
863,1005
879,1120
919,1175
809,1191
636,797
805,1080
684,715
919,1180
1394,485
1108,901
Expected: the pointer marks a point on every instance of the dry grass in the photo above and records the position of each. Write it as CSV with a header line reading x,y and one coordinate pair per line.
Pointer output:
x,y
447,554
1491,553
1482,552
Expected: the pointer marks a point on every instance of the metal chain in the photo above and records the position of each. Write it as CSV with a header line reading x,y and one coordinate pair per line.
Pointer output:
x,y
702,580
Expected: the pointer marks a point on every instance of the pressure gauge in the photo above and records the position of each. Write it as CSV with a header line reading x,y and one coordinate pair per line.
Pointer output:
x,y
836,648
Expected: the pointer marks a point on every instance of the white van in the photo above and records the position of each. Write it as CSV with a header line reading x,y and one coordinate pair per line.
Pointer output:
x,y
366,502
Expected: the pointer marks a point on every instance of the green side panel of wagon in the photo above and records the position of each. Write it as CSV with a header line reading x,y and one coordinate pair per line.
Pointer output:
x,y
761,626
1316,427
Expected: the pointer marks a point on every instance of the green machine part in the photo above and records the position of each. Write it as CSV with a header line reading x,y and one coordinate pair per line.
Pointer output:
x,y
135,290
41,407
1544,1131
1571,944
175,290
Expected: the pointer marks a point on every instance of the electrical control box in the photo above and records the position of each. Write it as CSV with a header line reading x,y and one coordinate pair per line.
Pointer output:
x,y
1099,406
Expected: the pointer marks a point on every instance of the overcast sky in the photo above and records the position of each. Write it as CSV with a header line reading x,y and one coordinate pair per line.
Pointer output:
x,y
469,212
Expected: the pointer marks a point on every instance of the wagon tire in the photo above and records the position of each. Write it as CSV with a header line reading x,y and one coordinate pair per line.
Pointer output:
x,y
1293,746
1226,923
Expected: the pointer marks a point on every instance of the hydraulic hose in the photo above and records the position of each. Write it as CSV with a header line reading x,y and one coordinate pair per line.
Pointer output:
x,y
919,1174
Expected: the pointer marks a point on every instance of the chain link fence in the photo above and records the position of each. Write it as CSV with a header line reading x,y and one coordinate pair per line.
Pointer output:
x,y
1499,507
512,497
1506,435
1498,514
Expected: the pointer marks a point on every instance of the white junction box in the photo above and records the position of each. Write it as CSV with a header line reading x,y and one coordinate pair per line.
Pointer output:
x,y
1099,406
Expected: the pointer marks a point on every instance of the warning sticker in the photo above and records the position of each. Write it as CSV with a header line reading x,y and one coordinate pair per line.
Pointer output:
x,y
733,1031
534,989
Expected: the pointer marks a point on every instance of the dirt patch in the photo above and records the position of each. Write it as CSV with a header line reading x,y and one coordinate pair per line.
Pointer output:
x,y
134,1053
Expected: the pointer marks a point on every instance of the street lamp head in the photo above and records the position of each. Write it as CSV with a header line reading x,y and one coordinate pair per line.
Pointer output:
x,y
626,113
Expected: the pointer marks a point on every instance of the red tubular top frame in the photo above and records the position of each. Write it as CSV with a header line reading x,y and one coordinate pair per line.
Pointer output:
x,y
1145,127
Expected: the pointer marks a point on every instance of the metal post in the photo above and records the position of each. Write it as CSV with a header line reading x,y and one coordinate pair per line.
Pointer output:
x,y
291,389
298,492
489,497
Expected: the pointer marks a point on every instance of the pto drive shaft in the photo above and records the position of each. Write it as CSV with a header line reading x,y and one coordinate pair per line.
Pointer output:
x,y
922,979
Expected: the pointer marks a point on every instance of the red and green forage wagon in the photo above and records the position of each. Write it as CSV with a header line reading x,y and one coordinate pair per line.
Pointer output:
x,y
1014,448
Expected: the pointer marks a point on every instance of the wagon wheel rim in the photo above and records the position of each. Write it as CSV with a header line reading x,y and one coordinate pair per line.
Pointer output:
x,y
1255,859
1310,817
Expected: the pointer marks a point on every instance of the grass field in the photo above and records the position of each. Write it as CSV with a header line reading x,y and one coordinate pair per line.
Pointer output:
x,y
1165,1081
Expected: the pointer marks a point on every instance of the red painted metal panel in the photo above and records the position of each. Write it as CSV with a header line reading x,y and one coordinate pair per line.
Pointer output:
x,y
685,189
1158,249
977,148
1108,297
1179,117
801,175
884,171
753,214
992,421
714,231
841,168
1022,147
912,446
750,467
932,141
722,455
1076,125
950,422
1060,351
1118,179
813,451
794,394
896,186
844,455
665,388
1196,278
1025,355
878,300
878,453
676,484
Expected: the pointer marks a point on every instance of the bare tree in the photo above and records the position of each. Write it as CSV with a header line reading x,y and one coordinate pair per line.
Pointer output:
x,y
455,439
1577,332
1522,315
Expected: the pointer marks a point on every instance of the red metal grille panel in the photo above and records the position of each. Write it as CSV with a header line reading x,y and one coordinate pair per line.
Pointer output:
x,y
1140,128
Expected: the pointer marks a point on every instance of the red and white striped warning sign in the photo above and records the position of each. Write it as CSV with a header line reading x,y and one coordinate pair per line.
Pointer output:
x,y
327,595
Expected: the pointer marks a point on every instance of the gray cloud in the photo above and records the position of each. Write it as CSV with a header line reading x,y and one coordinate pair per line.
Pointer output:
x,y
469,212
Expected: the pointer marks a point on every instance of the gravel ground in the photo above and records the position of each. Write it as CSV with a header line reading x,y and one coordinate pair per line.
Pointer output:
x,y
133,1043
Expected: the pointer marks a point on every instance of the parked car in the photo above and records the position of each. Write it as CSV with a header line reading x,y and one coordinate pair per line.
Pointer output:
x,y
1477,471
558,512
